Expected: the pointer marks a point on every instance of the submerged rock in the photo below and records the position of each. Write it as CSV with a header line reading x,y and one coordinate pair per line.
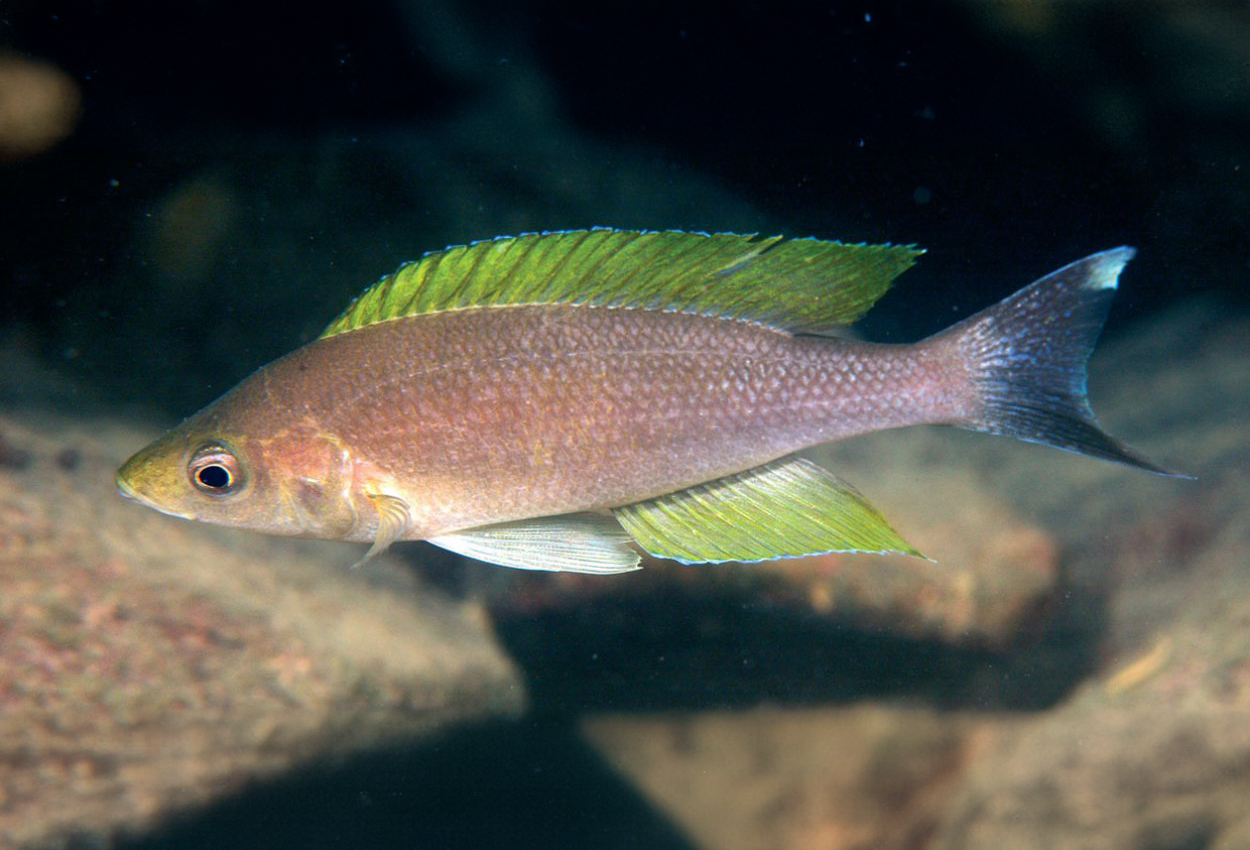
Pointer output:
x,y
151,665
1151,749
793,779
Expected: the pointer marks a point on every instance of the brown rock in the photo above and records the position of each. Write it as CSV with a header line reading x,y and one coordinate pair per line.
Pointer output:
x,y
1152,750
800,779
150,664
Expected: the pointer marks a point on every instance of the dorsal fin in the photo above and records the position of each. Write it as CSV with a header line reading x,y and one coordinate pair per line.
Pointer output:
x,y
799,285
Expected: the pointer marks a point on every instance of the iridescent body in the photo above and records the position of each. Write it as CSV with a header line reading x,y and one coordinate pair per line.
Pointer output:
x,y
493,427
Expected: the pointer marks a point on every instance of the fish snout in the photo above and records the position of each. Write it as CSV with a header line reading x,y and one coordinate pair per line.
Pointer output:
x,y
143,481
124,487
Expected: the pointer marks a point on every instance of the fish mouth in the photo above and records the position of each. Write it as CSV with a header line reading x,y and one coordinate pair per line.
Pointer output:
x,y
128,491
124,487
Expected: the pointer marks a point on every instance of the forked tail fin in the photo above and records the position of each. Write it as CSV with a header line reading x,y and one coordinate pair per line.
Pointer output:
x,y
1028,355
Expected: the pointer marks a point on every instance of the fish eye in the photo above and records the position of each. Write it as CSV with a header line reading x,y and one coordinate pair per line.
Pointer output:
x,y
215,471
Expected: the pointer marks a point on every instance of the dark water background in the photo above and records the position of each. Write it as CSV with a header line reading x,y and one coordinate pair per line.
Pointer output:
x,y
240,170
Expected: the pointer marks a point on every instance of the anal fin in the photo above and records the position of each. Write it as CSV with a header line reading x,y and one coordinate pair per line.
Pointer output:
x,y
583,543
784,509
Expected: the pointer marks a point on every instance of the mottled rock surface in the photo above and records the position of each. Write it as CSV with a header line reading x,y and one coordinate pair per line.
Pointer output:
x,y
793,779
150,665
1154,750
1151,750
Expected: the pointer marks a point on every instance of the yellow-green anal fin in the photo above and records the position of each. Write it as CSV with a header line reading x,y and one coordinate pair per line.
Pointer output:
x,y
800,285
784,509
583,543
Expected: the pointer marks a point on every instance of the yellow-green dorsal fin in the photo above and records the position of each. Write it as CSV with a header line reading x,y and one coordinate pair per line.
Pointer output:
x,y
799,285
784,509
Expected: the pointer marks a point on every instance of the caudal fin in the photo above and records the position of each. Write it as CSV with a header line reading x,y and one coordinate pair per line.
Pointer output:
x,y
1028,354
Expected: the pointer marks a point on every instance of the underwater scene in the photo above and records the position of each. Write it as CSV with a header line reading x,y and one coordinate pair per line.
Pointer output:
x,y
681,426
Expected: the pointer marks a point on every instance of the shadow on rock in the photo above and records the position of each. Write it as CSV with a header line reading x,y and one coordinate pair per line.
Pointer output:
x,y
531,784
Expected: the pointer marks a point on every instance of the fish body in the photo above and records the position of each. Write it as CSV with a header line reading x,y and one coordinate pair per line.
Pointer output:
x,y
548,427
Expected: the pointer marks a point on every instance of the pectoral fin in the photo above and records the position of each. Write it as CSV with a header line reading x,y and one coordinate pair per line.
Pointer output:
x,y
578,544
785,509
393,520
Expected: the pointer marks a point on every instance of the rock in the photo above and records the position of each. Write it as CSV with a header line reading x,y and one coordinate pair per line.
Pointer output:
x,y
1154,750
800,779
1150,750
151,665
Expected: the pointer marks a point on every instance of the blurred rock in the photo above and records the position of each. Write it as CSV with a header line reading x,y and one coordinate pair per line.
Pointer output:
x,y
1155,752
39,106
151,665
799,779
1152,750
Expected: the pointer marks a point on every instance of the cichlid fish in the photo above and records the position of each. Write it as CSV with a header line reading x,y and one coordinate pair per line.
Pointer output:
x,y
541,401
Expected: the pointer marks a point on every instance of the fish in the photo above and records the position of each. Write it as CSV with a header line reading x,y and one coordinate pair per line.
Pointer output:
x,y
567,400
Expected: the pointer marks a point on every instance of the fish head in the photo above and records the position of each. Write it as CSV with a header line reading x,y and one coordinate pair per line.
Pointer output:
x,y
296,481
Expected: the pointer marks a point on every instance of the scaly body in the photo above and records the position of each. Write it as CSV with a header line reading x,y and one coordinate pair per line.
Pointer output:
x,y
586,407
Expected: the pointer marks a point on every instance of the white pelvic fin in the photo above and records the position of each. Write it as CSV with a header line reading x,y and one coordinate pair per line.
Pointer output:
x,y
584,543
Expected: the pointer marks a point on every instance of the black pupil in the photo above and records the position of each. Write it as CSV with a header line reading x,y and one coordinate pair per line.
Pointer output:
x,y
214,477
